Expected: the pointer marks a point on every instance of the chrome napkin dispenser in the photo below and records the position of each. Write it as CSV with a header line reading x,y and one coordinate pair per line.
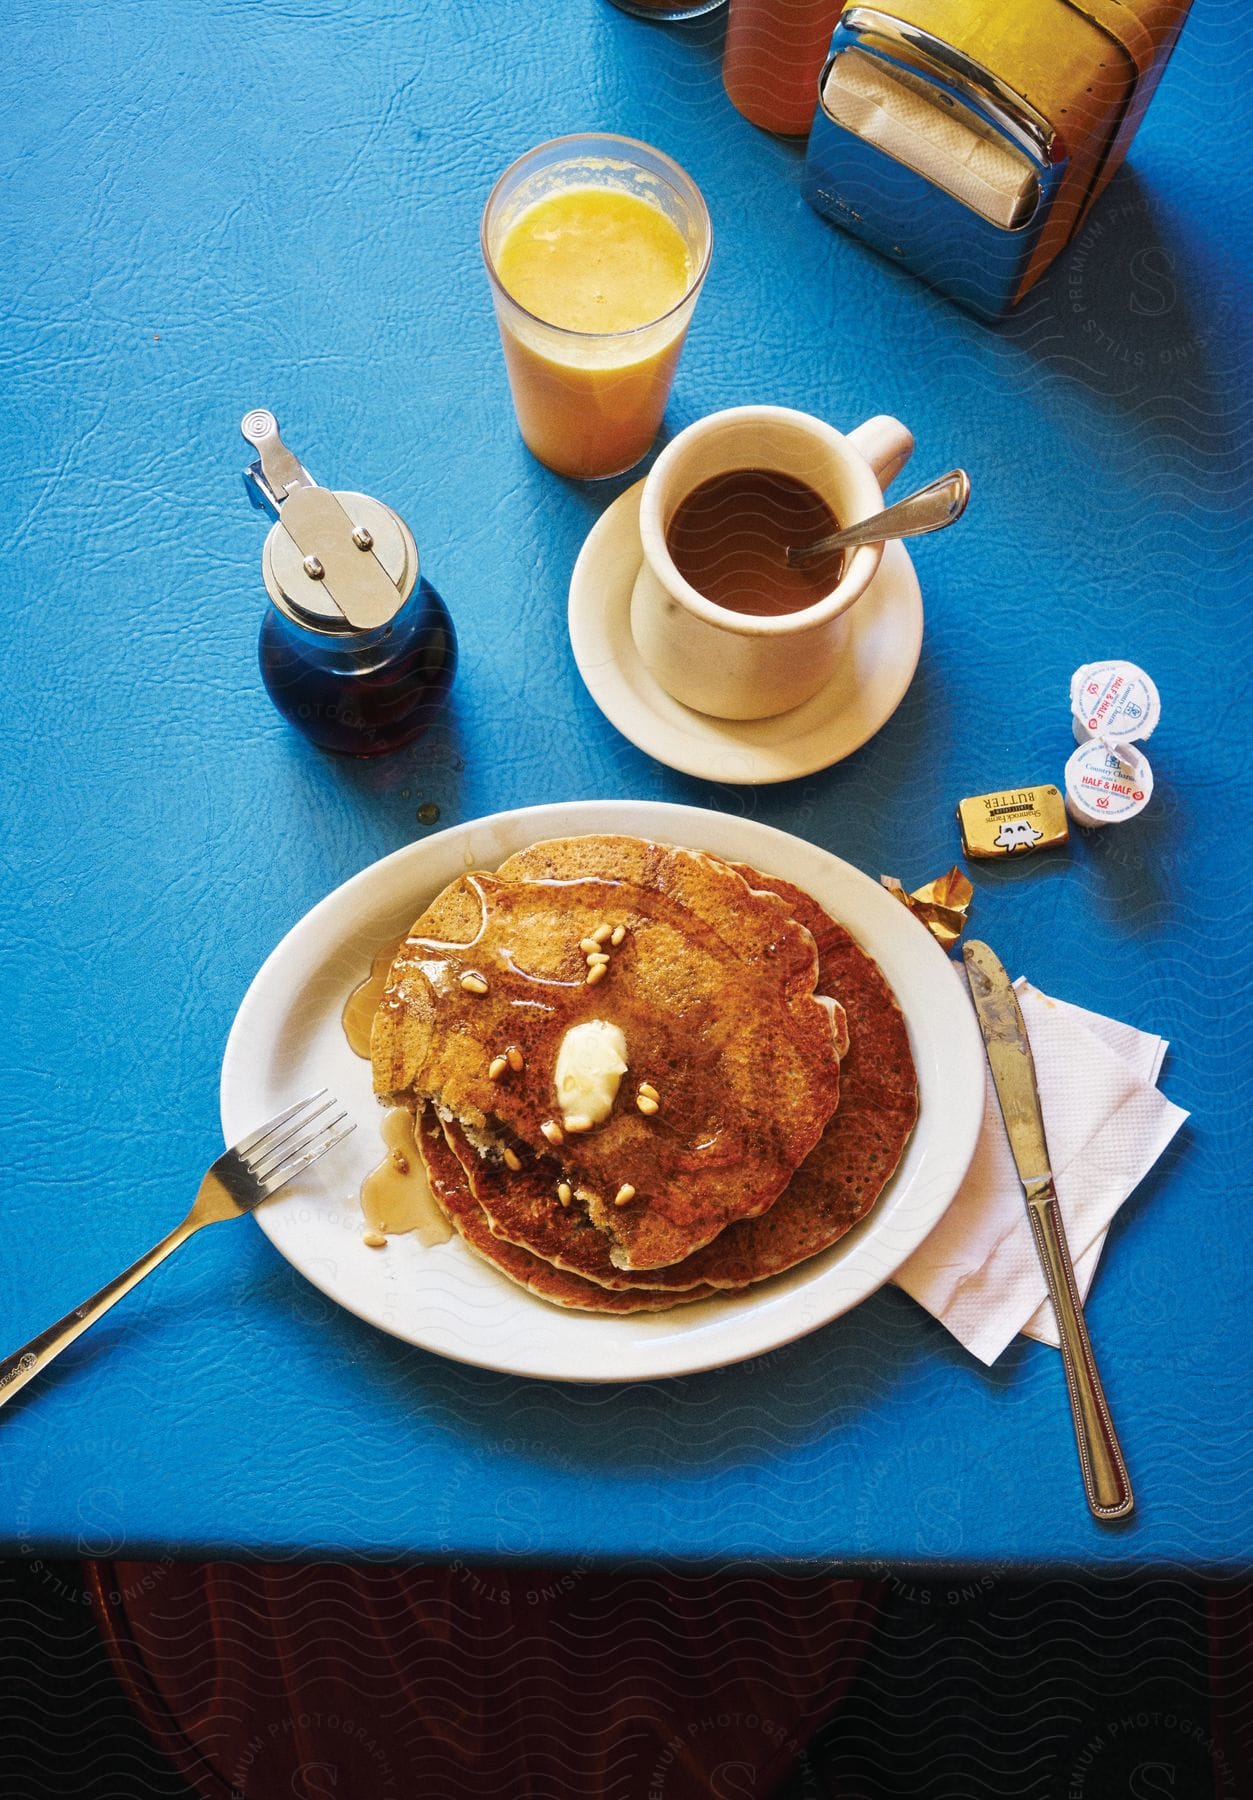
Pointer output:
x,y
966,139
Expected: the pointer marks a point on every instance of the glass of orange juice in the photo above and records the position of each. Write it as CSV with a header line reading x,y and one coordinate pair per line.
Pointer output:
x,y
596,248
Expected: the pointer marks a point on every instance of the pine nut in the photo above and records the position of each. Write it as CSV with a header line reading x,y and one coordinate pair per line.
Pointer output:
x,y
646,1105
511,1159
515,1058
565,1193
553,1132
602,932
473,984
617,934
624,1195
596,973
496,1068
578,1122
649,1091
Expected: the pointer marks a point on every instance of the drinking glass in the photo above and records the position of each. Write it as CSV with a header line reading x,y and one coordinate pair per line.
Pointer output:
x,y
589,404
668,10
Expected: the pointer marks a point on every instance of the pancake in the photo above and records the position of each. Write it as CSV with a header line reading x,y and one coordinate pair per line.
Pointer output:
x,y
451,1190
713,986
833,1189
862,1146
521,1208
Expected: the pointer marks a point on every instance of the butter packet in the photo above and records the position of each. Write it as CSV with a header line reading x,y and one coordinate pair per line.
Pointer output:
x,y
1013,822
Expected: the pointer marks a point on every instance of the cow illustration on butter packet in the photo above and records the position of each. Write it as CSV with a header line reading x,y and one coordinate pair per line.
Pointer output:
x,y
1017,834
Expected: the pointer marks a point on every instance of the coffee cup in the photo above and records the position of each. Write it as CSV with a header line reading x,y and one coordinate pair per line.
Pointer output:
x,y
737,665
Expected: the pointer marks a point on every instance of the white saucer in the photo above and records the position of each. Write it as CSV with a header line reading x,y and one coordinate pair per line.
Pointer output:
x,y
881,653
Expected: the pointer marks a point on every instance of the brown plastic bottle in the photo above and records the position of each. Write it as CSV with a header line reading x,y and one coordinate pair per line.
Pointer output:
x,y
774,54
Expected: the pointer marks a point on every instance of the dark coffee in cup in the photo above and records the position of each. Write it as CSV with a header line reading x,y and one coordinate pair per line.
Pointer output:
x,y
730,537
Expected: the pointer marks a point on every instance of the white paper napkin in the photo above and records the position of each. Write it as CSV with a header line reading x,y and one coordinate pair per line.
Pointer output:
x,y
952,148
1107,1124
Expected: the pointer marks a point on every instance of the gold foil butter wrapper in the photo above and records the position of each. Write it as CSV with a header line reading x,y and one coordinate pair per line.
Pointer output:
x,y
942,905
1013,822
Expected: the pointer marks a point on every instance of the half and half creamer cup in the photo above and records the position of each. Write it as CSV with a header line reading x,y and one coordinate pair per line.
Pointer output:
x,y
1115,701
1114,705
1105,785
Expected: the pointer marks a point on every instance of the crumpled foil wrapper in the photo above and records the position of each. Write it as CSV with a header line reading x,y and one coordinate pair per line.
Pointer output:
x,y
942,905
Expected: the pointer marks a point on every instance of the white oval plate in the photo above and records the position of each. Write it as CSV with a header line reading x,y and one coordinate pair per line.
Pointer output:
x,y
287,1040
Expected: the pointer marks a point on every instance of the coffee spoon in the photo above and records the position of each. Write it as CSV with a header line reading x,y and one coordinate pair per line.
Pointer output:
x,y
930,509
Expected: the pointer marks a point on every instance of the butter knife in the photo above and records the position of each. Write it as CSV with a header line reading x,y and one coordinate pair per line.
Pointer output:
x,y
1105,1477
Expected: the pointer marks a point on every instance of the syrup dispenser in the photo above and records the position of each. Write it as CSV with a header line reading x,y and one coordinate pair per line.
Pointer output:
x,y
357,649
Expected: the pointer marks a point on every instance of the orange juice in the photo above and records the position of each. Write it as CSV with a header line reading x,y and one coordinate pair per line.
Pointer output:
x,y
595,259
595,286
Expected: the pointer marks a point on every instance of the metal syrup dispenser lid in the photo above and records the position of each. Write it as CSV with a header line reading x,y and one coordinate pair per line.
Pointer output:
x,y
334,561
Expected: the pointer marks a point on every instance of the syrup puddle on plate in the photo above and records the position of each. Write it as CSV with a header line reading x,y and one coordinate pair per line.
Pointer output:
x,y
363,1002
396,1196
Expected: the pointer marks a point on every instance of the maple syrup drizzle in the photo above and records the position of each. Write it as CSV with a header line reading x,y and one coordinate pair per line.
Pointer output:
x,y
363,1002
544,998
396,1197
543,1002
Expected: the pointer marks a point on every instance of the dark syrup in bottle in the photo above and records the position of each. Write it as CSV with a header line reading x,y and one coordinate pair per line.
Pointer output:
x,y
362,693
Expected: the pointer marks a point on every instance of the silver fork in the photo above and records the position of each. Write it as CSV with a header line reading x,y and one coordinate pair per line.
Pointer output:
x,y
241,1178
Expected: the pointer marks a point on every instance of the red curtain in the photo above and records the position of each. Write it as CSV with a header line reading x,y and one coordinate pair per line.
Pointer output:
x,y
360,1683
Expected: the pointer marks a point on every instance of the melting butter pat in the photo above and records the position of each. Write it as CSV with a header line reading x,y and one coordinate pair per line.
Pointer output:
x,y
590,1064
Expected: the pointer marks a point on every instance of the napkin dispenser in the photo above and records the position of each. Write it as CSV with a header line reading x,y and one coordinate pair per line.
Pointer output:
x,y
967,139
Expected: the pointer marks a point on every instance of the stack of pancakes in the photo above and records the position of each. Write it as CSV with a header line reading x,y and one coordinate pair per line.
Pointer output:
x,y
771,1058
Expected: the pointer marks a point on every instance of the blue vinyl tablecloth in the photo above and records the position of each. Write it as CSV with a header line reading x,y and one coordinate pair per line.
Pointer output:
x,y
222,205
